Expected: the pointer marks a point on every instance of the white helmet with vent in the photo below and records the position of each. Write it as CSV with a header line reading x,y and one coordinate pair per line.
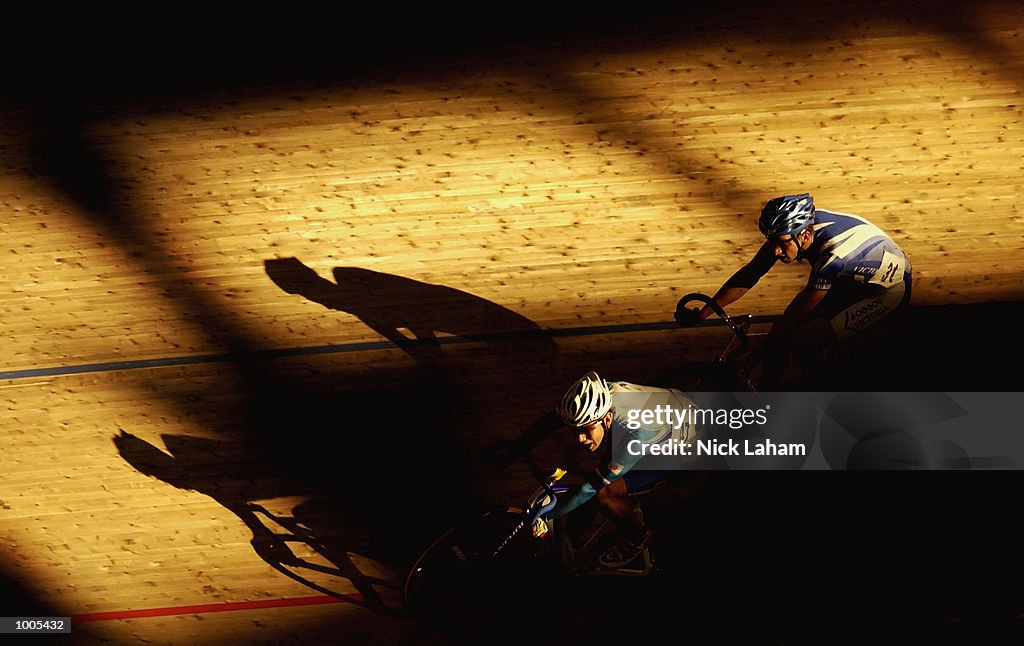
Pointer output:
x,y
586,402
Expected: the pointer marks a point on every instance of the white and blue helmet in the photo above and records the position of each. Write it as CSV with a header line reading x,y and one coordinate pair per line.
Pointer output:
x,y
787,214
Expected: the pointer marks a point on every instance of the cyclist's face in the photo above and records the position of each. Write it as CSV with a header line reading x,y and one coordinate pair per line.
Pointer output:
x,y
787,247
591,435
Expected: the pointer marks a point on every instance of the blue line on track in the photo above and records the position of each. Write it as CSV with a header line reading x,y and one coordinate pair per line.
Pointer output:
x,y
363,346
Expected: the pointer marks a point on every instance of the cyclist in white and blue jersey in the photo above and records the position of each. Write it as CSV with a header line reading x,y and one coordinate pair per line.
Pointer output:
x,y
599,413
859,276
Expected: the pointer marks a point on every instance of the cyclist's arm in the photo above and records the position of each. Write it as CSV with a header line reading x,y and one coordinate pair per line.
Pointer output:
x,y
532,436
797,313
744,279
619,463
572,500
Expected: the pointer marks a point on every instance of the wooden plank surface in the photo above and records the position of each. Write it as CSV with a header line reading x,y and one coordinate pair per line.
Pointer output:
x,y
583,180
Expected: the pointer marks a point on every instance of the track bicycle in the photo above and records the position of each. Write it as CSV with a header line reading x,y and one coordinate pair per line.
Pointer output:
x,y
846,364
727,372
488,558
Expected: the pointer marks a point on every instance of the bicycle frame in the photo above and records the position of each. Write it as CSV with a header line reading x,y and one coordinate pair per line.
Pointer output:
x,y
449,572
580,559
740,325
739,343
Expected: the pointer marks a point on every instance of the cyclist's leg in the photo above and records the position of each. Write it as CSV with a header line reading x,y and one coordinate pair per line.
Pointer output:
x,y
777,368
616,502
805,355
619,502
865,327
816,339
864,313
783,364
851,321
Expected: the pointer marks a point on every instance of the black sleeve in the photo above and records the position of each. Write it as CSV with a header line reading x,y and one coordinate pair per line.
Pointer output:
x,y
748,275
543,426
506,453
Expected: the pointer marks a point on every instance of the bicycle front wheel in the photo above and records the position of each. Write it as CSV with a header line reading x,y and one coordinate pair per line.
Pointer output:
x,y
467,566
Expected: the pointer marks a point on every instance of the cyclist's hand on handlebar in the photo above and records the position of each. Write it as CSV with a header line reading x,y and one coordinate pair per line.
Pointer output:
x,y
540,525
540,528
687,316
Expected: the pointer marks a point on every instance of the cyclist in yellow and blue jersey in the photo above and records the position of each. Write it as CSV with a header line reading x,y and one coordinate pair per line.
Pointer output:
x,y
599,413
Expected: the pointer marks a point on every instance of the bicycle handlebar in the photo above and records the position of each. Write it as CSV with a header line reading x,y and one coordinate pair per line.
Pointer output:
x,y
546,480
738,325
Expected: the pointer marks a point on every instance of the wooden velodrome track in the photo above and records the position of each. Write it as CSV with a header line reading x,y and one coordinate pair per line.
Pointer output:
x,y
215,272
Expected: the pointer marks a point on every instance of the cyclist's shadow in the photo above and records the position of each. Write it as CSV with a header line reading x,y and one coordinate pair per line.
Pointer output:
x,y
391,304
214,468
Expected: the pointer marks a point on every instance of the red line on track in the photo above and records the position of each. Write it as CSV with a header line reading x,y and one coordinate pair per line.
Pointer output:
x,y
215,607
